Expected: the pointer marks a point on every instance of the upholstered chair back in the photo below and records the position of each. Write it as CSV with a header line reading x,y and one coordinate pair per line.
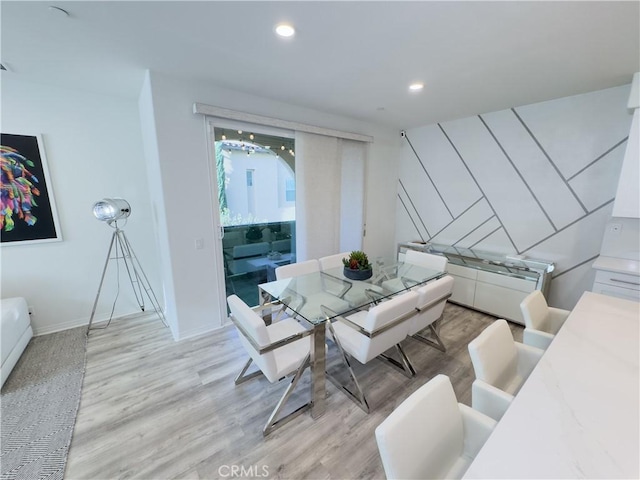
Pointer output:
x,y
333,261
255,327
297,269
535,311
426,295
494,355
383,314
424,436
426,260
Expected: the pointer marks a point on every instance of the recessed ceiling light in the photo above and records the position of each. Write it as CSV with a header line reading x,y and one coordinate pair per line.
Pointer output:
x,y
416,87
285,30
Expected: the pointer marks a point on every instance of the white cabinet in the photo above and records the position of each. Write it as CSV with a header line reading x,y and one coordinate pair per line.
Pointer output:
x,y
493,293
627,202
464,287
617,284
501,295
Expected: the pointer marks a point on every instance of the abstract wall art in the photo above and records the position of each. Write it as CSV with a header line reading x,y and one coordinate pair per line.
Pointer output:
x,y
27,208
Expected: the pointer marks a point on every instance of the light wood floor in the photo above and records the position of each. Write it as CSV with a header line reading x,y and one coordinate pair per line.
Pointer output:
x,y
154,408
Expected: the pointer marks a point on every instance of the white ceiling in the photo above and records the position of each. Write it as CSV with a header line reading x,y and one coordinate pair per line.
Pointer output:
x,y
348,58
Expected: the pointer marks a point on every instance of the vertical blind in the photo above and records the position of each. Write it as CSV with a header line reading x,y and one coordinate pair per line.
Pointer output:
x,y
330,195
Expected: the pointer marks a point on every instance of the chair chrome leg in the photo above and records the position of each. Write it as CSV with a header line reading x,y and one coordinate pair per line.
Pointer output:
x,y
435,331
435,344
406,368
272,423
358,397
241,378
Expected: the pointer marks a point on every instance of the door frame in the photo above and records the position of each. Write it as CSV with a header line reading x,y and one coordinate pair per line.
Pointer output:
x,y
211,124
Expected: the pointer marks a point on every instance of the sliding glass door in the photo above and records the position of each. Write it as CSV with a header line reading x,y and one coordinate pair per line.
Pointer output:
x,y
255,194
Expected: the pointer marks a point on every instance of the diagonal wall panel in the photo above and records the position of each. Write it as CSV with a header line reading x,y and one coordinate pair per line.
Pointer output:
x,y
406,226
481,232
585,138
598,183
538,173
445,168
413,213
496,177
419,189
465,223
498,241
575,130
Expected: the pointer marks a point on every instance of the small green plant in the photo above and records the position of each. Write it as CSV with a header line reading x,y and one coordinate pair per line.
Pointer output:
x,y
357,261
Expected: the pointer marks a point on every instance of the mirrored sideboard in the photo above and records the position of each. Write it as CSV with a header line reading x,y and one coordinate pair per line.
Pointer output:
x,y
488,281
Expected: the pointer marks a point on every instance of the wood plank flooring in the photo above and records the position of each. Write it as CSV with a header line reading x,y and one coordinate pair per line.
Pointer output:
x,y
154,408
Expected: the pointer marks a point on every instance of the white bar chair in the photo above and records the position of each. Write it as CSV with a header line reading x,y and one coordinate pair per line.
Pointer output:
x,y
431,435
541,321
501,366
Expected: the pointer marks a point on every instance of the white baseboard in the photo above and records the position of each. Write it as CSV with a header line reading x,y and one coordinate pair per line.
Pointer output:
x,y
196,332
79,322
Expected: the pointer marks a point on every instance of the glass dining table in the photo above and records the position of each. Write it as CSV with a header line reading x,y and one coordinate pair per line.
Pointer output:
x,y
324,296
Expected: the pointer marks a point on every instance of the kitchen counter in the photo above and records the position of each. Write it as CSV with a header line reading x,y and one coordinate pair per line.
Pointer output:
x,y
577,414
618,265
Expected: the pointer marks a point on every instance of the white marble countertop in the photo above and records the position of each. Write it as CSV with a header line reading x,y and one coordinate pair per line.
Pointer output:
x,y
577,415
618,265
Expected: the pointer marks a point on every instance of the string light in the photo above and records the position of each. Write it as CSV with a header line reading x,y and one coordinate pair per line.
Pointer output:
x,y
251,136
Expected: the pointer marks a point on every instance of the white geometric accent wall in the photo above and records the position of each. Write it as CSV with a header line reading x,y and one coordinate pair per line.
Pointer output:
x,y
537,180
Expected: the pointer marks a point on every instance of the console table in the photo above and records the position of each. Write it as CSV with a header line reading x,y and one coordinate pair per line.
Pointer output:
x,y
490,282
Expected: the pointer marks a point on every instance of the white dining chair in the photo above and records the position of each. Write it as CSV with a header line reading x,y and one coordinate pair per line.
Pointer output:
x,y
432,299
501,366
333,261
321,291
541,322
278,350
420,259
430,435
427,260
368,334
296,269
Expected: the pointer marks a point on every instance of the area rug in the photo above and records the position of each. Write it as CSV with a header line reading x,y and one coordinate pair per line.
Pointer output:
x,y
40,401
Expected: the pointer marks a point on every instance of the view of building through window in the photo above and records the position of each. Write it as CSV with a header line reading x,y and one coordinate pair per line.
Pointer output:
x,y
256,195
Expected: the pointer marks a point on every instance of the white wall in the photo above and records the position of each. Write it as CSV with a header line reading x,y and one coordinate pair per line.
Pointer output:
x,y
93,146
537,180
186,177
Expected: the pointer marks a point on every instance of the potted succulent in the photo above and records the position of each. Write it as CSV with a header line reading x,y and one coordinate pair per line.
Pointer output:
x,y
357,266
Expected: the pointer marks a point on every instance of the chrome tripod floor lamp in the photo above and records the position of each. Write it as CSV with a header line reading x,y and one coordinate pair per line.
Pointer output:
x,y
112,210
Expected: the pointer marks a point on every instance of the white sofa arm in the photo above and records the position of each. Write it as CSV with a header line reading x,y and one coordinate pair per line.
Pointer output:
x,y
556,319
537,338
477,428
489,400
528,358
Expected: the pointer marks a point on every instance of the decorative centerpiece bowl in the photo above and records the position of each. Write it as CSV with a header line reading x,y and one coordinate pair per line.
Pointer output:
x,y
357,266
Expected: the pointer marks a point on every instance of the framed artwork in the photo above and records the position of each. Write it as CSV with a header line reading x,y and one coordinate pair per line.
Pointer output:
x,y
27,209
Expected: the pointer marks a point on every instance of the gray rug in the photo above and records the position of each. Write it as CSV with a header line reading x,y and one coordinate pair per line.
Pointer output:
x,y
40,401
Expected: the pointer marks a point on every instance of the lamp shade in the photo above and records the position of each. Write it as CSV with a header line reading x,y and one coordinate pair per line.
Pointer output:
x,y
111,209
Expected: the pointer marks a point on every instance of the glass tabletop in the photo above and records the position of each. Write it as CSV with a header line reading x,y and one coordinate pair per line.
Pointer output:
x,y
321,296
